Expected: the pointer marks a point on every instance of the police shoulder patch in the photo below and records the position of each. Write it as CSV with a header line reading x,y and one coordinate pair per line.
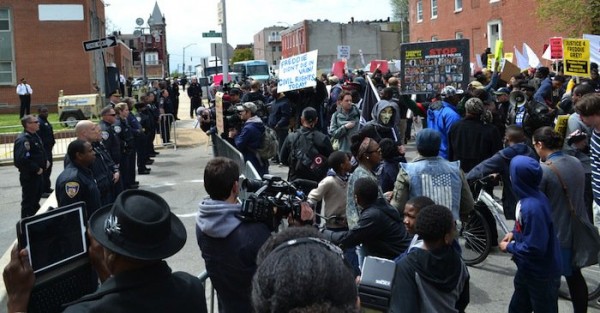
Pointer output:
x,y
117,129
105,135
72,189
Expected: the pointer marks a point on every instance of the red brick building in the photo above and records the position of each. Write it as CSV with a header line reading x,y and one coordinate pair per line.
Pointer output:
x,y
481,21
41,40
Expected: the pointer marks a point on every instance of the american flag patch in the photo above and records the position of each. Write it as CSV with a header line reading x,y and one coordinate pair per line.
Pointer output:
x,y
438,188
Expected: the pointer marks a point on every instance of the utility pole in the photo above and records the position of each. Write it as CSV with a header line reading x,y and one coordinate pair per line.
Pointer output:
x,y
184,57
224,57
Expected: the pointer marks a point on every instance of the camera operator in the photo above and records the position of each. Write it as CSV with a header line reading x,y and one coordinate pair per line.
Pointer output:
x,y
250,138
229,246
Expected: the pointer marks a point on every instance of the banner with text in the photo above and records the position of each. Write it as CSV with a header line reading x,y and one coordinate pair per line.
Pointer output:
x,y
343,52
428,67
576,53
297,72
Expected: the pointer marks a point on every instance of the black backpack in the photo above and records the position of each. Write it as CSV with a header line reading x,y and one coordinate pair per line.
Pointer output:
x,y
306,159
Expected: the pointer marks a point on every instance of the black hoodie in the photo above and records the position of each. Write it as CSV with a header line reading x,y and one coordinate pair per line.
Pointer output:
x,y
431,281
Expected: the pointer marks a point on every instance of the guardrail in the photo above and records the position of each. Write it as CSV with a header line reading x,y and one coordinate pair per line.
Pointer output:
x,y
64,137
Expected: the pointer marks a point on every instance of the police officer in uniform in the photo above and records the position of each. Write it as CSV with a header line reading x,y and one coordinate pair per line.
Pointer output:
x,y
77,182
110,128
125,133
46,133
31,160
146,120
105,171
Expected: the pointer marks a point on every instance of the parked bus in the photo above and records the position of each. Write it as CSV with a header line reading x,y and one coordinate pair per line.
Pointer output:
x,y
255,69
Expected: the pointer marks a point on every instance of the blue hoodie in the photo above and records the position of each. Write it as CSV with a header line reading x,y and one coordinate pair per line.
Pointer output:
x,y
440,117
535,247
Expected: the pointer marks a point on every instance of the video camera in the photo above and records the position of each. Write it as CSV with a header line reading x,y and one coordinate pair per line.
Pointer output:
x,y
273,199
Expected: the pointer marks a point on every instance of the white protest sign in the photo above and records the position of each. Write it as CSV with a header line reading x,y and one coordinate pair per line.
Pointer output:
x,y
298,72
343,52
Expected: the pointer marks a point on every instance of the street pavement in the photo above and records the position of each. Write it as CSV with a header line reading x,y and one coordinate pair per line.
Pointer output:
x,y
177,176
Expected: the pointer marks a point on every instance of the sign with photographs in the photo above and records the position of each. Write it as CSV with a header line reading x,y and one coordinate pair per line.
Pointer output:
x,y
428,67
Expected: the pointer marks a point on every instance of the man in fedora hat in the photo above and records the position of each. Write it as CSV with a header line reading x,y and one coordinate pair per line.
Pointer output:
x,y
129,241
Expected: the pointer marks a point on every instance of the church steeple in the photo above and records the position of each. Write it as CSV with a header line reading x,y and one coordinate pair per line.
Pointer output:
x,y
157,17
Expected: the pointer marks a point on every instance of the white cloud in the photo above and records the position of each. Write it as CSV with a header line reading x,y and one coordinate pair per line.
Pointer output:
x,y
187,19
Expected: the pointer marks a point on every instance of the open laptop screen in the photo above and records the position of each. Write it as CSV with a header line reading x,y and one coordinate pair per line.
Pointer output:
x,y
55,237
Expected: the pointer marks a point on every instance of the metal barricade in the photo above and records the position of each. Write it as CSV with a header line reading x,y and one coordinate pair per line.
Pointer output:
x,y
211,303
167,128
7,139
223,148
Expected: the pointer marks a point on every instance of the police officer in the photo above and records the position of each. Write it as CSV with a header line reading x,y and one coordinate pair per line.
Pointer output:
x,y
31,160
146,120
46,133
110,128
105,171
125,133
77,182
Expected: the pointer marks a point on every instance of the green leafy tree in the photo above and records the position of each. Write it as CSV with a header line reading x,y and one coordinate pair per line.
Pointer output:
x,y
574,17
400,14
242,55
176,73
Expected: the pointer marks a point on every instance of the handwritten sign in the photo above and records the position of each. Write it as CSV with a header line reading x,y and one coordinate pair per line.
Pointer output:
x,y
298,72
343,52
556,48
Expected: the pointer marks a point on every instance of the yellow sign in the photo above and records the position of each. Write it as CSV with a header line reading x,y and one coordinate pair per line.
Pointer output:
x,y
499,51
219,109
561,124
489,61
413,54
508,56
576,53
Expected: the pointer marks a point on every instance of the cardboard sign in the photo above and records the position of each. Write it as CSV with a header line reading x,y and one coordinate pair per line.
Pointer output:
x,y
219,111
428,67
382,65
298,72
556,48
343,52
508,70
577,57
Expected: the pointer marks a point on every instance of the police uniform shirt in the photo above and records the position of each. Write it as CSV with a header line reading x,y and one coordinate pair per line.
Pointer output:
x,y
76,184
46,133
29,154
111,141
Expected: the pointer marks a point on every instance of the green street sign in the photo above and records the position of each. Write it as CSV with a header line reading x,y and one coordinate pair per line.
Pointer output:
x,y
211,34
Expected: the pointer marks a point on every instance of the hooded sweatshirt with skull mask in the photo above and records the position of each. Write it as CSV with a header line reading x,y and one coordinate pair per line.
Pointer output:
x,y
384,123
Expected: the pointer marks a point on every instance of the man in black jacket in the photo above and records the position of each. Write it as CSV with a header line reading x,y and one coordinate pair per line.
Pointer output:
x,y
380,228
195,94
306,150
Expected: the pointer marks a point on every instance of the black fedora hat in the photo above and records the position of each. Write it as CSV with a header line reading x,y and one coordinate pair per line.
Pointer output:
x,y
139,225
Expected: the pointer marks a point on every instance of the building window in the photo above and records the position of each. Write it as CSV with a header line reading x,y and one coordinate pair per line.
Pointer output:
x,y
494,33
419,10
279,48
457,5
273,48
7,61
434,8
459,35
151,58
274,62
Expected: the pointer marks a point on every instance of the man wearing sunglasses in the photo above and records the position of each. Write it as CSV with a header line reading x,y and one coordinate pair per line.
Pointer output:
x,y
32,161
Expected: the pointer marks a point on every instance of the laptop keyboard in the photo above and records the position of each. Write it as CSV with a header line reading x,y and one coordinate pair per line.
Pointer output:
x,y
48,297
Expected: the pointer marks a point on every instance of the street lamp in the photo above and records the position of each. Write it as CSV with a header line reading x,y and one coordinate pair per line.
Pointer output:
x,y
184,56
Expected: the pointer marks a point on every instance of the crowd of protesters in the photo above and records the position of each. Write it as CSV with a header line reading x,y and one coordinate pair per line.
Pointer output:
x,y
369,199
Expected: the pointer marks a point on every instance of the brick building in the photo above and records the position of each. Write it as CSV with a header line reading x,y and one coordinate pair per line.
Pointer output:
x,y
267,45
481,21
373,39
41,40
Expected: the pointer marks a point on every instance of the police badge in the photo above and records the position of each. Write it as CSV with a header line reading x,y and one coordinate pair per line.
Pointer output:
x,y
105,135
27,145
72,189
117,129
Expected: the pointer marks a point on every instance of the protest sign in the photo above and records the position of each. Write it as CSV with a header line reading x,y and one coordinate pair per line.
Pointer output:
x,y
382,65
338,69
343,52
490,61
594,47
428,67
556,48
219,111
507,70
297,72
577,57
509,56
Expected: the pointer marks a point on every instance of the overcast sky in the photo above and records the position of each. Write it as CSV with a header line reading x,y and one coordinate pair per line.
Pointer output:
x,y
187,19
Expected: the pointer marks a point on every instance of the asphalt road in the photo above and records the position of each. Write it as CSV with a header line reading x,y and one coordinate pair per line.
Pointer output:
x,y
177,176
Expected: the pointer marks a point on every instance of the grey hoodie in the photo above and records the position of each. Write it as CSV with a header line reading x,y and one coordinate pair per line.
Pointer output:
x,y
217,218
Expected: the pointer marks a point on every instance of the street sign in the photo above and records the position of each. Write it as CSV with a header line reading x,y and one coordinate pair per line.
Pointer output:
x,y
101,43
211,34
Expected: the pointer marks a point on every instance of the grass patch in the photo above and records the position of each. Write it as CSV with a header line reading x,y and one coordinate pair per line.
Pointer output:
x,y
11,123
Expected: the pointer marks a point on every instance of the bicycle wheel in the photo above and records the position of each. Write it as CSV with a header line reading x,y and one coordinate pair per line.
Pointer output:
x,y
592,278
474,238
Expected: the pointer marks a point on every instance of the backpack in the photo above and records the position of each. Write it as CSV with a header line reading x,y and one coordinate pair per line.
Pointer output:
x,y
307,160
269,145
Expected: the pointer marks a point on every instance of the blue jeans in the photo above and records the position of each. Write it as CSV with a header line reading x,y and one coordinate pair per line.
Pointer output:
x,y
534,294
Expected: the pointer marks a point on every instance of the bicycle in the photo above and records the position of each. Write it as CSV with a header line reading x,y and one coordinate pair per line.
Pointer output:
x,y
476,236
